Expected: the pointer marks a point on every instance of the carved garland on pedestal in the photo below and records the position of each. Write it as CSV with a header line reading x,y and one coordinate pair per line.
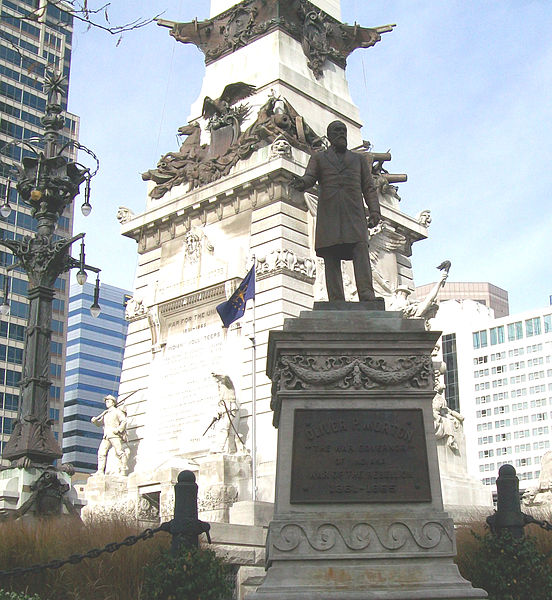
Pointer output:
x,y
300,372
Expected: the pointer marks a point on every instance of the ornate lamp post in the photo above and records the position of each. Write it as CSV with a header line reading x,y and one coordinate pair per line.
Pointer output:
x,y
48,182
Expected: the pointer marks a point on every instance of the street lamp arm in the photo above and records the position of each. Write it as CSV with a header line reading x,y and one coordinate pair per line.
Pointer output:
x,y
25,143
75,144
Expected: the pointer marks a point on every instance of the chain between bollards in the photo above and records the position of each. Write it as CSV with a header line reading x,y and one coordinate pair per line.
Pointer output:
x,y
185,528
74,559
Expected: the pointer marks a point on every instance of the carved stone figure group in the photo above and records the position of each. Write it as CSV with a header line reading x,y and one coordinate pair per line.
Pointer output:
x,y
199,164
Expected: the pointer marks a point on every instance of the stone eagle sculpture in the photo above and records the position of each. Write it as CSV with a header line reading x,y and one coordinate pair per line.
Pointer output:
x,y
217,111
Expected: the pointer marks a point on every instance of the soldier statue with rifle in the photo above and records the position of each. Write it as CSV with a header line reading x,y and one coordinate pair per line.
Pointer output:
x,y
228,417
114,422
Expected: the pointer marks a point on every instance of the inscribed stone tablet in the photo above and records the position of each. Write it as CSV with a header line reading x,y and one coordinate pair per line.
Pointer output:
x,y
358,455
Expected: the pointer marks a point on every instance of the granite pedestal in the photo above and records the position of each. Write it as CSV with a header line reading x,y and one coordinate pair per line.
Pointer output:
x,y
358,509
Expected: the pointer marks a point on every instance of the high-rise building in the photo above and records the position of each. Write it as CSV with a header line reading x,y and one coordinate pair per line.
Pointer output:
x,y
485,293
503,378
95,349
27,49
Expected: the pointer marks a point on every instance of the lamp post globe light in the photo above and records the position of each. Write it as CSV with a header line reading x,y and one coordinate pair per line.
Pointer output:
x,y
48,182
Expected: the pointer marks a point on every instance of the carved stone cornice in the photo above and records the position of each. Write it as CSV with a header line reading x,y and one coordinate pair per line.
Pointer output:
x,y
184,214
321,36
345,538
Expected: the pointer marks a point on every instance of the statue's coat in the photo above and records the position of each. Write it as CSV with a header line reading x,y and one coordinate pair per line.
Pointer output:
x,y
341,216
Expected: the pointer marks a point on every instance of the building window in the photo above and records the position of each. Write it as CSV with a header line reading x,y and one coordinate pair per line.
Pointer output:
x,y
480,339
532,326
515,331
497,335
524,433
547,323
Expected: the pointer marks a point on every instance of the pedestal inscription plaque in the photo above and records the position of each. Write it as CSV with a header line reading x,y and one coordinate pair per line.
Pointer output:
x,y
359,455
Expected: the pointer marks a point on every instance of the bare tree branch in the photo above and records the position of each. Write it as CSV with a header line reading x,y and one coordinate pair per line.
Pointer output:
x,y
80,10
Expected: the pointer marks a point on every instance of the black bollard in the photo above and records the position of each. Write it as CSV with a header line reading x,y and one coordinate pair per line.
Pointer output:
x,y
508,515
185,526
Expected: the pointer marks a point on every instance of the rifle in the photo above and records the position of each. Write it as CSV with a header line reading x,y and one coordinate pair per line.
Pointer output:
x,y
215,419
116,405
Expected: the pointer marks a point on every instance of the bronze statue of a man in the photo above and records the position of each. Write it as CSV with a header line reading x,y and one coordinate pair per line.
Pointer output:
x,y
345,179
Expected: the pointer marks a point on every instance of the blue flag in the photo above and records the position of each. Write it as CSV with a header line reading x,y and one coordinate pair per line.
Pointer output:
x,y
234,308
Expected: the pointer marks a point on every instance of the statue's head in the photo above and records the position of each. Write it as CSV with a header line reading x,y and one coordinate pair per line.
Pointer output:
x,y
110,401
403,291
337,135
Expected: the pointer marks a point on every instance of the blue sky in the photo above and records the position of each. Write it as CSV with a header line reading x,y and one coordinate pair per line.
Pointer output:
x,y
459,91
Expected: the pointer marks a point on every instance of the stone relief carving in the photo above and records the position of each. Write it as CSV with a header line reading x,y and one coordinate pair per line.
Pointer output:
x,y
280,260
322,37
124,214
424,218
125,509
300,372
192,247
305,372
147,509
361,536
217,496
166,510
448,423
280,147
135,309
224,117
155,328
197,164
420,309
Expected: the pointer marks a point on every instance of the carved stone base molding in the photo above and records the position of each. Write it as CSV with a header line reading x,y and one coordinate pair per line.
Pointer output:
x,y
359,510
223,479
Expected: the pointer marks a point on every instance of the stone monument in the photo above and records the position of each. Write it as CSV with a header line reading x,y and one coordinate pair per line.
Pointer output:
x,y
216,202
358,509
274,80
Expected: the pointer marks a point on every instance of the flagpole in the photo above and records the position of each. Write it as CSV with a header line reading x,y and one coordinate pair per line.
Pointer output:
x,y
254,401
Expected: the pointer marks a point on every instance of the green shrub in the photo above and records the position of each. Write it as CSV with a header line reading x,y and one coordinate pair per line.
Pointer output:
x,y
509,568
4,595
194,574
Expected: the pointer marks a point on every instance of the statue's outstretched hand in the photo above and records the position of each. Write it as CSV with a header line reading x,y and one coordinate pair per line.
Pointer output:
x,y
298,183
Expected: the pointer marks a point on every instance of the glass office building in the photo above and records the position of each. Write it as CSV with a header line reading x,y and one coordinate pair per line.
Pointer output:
x,y
503,376
95,348
27,49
